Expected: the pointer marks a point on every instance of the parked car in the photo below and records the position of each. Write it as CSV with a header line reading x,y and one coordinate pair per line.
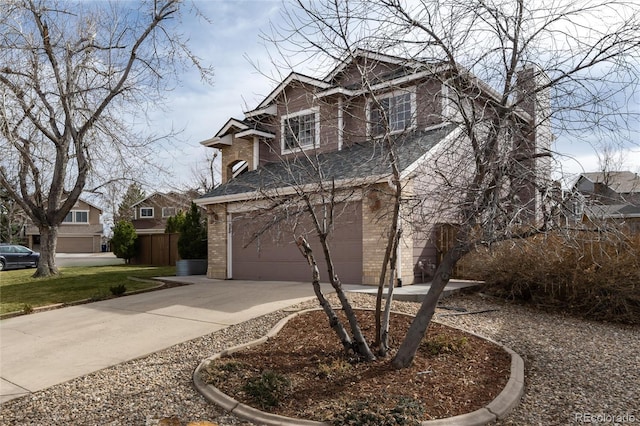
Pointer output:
x,y
15,256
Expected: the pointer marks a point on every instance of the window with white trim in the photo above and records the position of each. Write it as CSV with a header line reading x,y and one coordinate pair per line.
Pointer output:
x,y
394,111
146,212
168,211
77,216
300,130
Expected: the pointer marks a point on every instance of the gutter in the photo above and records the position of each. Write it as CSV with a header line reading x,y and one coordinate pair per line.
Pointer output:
x,y
288,190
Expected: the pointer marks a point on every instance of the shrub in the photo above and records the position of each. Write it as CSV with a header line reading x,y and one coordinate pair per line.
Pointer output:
x,y
268,389
594,275
216,371
444,343
174,223
123,242
192,243
336,368
118,290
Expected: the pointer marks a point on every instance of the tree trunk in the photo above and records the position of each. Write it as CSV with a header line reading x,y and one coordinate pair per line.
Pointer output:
x,y
48,241
386,317
334,322
361,344
393,275
360,341
415,334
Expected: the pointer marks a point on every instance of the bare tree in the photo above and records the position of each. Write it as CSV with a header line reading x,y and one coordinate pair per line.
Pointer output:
x,y
512,72
204,173
294,201
75,81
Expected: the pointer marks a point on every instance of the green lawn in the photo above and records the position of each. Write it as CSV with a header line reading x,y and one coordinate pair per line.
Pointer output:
x,y
18,288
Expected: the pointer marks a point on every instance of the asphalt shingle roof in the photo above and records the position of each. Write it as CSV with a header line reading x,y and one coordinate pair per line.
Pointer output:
x,y
611,210
622,182
353,162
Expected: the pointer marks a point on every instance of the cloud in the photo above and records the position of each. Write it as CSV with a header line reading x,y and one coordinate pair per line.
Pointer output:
x,y
199,110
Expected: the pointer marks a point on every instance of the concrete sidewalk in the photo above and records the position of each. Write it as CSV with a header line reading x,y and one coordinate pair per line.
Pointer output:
x,y
41,350
414,292
47,348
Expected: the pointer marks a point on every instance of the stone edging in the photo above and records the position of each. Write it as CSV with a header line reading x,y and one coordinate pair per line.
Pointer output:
x,y
496,409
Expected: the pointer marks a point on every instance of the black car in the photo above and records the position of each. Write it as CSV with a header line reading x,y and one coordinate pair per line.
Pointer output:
x,y
15,256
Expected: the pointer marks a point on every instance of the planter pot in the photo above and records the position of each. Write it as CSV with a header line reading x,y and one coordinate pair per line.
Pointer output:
x,y
191,267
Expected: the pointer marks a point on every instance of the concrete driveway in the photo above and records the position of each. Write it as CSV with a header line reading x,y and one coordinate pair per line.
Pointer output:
x,y
47,348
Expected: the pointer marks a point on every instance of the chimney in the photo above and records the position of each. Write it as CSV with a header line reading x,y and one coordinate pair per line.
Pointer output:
x,y
535,99
532,96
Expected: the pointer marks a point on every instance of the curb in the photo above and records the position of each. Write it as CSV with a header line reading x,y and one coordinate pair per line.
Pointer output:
x,y
497,409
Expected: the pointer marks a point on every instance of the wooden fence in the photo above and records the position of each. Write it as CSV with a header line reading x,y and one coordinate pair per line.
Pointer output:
x,y
446,234
157,250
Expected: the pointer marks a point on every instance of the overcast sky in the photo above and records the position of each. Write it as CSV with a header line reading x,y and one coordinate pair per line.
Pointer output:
x,y
227,43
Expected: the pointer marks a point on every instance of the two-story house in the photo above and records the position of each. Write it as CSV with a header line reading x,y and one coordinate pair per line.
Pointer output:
x,y
151,214
310,130
79,232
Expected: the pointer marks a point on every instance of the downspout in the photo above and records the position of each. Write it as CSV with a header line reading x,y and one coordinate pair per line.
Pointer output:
x,y
256,153
229,247
399,257
340,123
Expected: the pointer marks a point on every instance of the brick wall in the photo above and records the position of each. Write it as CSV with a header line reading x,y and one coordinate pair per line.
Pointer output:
x,y
406,242
376,217
241,150
217,241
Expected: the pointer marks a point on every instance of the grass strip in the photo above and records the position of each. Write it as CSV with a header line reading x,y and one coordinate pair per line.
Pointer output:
x,y
18,289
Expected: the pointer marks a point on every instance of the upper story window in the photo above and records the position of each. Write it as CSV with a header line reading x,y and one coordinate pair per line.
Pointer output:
x,y
146,212
168,211
77,216
394,111
300,130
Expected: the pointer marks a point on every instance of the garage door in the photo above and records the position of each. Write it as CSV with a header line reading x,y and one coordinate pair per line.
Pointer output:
x,y
75,245
274,255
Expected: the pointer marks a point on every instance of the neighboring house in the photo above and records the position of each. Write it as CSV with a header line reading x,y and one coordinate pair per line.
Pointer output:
x,y
334,121
621,187
609,197
151,213
624,216
79,232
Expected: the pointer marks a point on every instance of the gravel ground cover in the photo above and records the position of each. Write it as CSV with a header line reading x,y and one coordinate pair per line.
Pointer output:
x,y
577,372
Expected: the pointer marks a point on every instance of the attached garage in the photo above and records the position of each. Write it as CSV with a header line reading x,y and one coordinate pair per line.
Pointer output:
x,y
274,255
75,245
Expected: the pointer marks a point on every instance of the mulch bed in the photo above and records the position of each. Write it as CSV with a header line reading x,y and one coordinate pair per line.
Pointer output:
x,y
453,373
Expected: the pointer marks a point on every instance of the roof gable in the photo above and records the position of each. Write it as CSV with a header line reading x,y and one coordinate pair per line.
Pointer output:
x,y
232,124
293,77
622,182
174,198
80,200
240,128
360,54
